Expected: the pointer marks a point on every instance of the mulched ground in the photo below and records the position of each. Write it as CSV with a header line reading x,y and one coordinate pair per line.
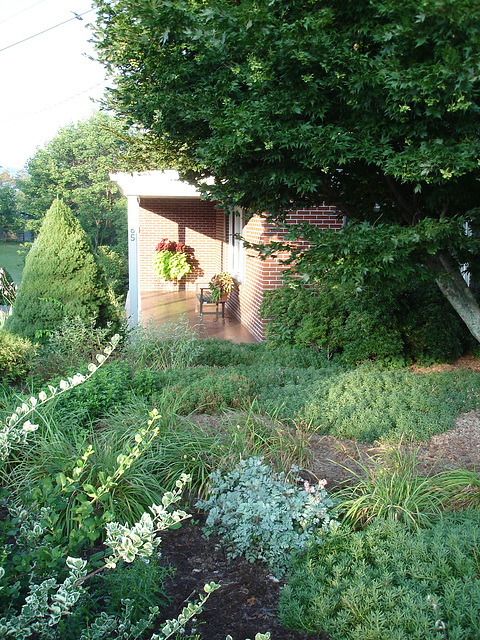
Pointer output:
x,y
247,601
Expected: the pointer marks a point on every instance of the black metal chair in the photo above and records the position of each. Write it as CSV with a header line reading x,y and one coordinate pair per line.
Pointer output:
x,y
204,296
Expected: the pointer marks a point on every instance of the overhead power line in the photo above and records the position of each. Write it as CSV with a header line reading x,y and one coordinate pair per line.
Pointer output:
x,y
52,106
77,16
14,15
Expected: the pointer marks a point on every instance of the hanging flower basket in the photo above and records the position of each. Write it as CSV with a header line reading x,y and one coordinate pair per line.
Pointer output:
x,y
171,260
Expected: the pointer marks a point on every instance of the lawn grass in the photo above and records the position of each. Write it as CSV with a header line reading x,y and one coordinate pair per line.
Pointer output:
x,y
11,261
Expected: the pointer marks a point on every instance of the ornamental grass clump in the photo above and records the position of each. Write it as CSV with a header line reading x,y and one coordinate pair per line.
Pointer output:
x,y
8,288
171,345
461,488
266,515
388,486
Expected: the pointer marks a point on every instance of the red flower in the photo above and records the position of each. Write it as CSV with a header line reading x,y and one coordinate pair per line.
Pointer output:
x,y
170,245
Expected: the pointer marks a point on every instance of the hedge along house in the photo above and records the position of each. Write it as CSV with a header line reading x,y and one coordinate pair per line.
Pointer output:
x,y
161,206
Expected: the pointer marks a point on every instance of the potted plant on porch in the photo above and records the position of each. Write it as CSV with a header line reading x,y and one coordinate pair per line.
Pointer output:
x,y
221,285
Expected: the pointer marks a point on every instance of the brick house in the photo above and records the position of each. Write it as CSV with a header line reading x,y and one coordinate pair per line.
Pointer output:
x,y
162,206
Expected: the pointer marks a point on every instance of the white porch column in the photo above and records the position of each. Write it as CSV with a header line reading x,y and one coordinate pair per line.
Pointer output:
x,y
133,255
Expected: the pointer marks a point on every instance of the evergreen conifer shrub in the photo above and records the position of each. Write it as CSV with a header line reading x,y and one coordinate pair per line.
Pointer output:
x,y
61,279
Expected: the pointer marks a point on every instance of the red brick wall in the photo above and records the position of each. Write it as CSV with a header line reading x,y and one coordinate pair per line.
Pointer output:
x,y
202,227
195,222
260,275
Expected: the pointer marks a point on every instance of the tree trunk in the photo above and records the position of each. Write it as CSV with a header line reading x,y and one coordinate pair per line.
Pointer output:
x,y
453,286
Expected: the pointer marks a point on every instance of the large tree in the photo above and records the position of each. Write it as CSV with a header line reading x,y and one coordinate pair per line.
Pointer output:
x,y
372,105
9,216
75,167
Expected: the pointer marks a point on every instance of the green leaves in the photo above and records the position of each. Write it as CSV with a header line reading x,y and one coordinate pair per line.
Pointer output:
x,y
225,79
75,167
264,515
61,279
171,265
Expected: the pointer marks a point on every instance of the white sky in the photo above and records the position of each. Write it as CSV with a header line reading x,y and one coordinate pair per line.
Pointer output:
x,y
47,81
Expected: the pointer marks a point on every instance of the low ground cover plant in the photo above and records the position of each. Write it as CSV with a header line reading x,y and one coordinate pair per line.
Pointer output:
x,y
365,403
265,515
82,471
390,582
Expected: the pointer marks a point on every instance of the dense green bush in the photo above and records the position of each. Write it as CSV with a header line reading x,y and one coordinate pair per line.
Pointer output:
x,y
115,265
392,326
266,515
61,279
390,583
16,356
90,401
73,343
304,316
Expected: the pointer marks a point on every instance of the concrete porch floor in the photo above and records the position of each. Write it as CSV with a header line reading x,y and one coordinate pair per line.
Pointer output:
x,y
161,308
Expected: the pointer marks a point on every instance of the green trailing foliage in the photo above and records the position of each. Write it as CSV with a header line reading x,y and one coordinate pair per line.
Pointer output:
x,y
171,260
390,583
61,279
392,325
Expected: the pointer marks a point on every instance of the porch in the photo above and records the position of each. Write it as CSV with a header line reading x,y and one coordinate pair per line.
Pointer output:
x,y
163,307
